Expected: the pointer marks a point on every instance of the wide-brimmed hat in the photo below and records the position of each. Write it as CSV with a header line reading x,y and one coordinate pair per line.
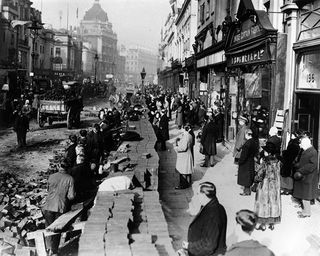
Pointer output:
x,y
270,148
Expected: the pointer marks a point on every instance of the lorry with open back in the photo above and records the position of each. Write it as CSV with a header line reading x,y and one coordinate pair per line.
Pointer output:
x,y
60,104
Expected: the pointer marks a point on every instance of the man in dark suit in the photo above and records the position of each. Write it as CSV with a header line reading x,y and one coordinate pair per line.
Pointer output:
x,y
95,145
207,231
164,129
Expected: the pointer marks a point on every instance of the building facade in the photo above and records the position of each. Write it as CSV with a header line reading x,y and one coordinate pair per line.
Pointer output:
x,y
96,29
186,24
170,75
15,45
302,23
136,59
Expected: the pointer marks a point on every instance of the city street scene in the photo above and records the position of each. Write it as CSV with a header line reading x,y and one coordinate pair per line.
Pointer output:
x,y
159,127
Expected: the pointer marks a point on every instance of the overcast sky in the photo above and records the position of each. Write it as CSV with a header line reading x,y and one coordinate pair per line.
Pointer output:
x,y
136,22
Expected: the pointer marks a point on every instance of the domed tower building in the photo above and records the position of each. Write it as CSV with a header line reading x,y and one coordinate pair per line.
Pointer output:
x,y
97,30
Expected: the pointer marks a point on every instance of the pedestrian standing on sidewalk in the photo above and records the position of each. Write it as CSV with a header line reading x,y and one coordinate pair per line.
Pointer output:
x,y
163,129
268,199
246,163
305,184
207,231
247,221
208,142
188,128
184,164
179,115
21,127
240,137
288,157
60,194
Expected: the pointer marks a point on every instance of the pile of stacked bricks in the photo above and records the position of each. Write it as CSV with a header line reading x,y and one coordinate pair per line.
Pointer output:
x,y
20,209
130,222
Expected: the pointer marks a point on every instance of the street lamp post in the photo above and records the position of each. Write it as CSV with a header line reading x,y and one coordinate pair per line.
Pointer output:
x,y
34,29
143,75
96,58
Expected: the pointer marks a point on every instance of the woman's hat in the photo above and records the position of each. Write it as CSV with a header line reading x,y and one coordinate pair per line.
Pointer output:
x,y
243,118
270,148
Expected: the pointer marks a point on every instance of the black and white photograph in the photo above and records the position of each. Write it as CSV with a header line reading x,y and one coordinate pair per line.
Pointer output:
x,y
159,127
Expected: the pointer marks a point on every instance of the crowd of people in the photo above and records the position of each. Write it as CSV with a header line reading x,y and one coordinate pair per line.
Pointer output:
x,y
267,170
76,179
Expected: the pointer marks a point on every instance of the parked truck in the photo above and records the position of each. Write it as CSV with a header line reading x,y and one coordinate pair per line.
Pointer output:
x,y
60,104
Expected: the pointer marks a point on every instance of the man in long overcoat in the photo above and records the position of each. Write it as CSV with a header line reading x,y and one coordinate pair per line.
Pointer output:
x,y
207,231
306,188
21,127
240,137
163,129
179,115
246,163
184,164
208,142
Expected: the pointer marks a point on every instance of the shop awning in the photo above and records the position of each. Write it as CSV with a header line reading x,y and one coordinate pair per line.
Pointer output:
x,y
246,49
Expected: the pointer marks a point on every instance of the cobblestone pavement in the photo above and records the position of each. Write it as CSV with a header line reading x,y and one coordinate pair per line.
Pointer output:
x,y
292,237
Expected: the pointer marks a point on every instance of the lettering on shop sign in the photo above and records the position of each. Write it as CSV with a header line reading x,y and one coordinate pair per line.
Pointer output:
x,y
250,32
310,78
248,57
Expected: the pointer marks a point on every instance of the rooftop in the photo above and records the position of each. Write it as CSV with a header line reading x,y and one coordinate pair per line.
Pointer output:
x,y
96,13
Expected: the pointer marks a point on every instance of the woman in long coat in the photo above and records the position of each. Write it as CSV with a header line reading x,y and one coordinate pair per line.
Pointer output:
x,y
208,142
246,163
306,187
288,157
268,199
184,164
179,115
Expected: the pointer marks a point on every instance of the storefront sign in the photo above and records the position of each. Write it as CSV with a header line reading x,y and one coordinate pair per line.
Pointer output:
x,y
246,33
309,71
252,56
215,58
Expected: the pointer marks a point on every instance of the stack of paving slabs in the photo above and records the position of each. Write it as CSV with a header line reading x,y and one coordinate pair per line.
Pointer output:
x,y
20,213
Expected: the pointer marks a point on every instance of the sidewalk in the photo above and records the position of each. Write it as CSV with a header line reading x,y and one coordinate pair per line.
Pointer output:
x,y
292,237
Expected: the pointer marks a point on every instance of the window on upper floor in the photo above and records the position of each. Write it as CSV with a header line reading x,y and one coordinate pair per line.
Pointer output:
x,y
58,51
51,51
310,21
208,9
201,14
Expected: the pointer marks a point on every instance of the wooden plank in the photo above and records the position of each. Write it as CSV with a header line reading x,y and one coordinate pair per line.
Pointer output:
x,y
38,237
64,220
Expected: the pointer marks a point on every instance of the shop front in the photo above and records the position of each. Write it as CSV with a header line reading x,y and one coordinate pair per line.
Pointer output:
x,y
211,75
251,71
306,109
306,97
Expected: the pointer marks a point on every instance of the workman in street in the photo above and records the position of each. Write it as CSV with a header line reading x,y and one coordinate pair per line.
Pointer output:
x,y
60,194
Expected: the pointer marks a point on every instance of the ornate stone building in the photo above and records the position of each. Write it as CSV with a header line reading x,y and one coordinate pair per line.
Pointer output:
x,y
97,29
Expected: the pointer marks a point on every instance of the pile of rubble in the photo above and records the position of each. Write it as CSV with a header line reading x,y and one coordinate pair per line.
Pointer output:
x,y
20,209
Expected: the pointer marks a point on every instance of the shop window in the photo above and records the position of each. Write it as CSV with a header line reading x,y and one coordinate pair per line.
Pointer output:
x,y
309,70
310,21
